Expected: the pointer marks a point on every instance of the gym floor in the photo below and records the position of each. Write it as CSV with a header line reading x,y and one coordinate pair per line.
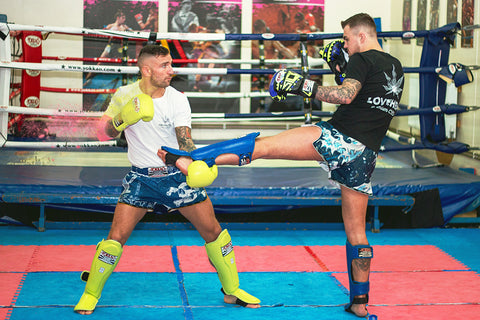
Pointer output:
x,y
296,272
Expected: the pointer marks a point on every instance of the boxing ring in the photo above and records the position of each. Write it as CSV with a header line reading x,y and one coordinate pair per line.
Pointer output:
x,y
89,185
302,261
72,185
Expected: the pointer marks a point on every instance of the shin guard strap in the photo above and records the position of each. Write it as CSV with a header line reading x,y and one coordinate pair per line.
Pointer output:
x,y
243,298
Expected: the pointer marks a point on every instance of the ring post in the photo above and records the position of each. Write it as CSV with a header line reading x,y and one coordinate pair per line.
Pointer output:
x,y
261,82
5,55
307,105
435,53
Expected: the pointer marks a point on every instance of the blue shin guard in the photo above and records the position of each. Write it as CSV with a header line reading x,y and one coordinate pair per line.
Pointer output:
x,y
357,288
243,147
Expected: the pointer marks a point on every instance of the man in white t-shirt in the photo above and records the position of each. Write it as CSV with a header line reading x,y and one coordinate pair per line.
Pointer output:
x,y
153,114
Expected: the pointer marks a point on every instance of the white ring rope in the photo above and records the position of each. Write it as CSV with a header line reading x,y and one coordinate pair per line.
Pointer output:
x,y
196,117
140,35
120,34
49,112
296,62
313,62
59,144
5,28
118,69
227,94
113,69
103,69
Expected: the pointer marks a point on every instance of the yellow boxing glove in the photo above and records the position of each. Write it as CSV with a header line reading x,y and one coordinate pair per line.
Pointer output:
x,y
200,174
139,108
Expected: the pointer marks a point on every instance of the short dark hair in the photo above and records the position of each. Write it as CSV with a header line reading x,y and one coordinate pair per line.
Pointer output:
x,y
360,19
119,13
152,50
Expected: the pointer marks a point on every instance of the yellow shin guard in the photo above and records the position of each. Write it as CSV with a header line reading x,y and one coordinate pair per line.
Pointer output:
x,y
105,260
220,252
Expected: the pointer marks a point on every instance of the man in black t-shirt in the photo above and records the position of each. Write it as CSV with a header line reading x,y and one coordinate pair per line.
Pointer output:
x,y
346,145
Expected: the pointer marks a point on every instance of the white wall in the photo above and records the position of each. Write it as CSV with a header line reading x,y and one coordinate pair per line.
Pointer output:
x,y
62,13
468,124
70,13
336,11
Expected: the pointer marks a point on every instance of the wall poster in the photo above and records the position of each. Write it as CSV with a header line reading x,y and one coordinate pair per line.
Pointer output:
x,y
407,18
199,16
116,15
434,14
421,19
277,16
208,17
467,20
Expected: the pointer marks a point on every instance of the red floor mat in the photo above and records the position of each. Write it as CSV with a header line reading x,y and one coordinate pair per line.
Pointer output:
x,y
78,258
4,313
16,258
9,284
464,312
392,258
321,258
253,259
397,288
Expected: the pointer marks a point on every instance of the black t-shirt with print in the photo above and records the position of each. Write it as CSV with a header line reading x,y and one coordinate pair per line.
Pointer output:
x,y
368,116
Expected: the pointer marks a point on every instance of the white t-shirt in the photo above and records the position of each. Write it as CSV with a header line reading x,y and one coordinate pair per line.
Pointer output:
x,y
145,138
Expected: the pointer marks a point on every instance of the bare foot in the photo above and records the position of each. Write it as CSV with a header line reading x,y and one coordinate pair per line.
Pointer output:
x,y
232,300
84,312
360,310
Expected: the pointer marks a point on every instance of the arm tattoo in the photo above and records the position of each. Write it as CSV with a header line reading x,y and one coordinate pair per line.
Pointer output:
x,y
343,94
184,138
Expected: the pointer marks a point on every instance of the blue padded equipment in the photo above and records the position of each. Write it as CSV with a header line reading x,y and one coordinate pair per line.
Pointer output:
x,y
243,147
357,288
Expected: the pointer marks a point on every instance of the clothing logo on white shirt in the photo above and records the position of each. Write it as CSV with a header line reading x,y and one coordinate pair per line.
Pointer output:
x,y
165,122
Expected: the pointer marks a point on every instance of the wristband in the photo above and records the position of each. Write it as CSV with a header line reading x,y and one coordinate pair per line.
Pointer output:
x,y
171,159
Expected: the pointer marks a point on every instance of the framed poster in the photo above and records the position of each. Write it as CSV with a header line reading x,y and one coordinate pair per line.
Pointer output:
x,y
452,15
434,13
467,20
277,16
421,18
204,16
452,11
115,15
407,18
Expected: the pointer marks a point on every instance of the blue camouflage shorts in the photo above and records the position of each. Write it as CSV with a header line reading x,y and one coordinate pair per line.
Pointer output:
x,y
151,189
347,161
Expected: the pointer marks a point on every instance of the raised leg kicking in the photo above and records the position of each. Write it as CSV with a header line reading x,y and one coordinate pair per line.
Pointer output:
x,y
296,144
368,92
